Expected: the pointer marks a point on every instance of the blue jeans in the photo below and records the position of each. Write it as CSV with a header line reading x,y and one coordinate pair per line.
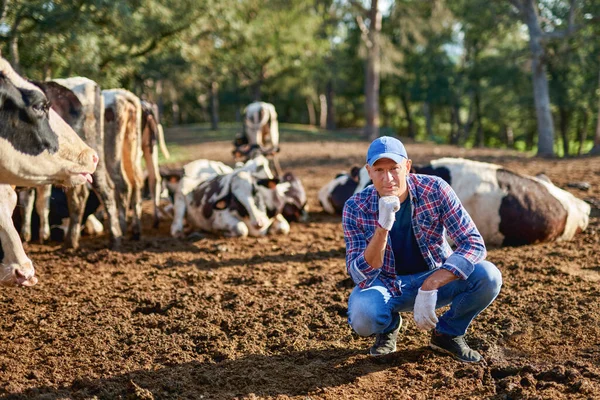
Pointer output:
x,y
374,310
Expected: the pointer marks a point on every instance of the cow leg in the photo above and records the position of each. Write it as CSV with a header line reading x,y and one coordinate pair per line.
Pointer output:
x,y
16,267
76,198
138,184
279,225
278,170
27,199
229,225
154,180
42,206
178,214
106,192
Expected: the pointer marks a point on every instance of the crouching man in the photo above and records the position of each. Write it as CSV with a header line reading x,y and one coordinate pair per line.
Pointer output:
x,y
400,260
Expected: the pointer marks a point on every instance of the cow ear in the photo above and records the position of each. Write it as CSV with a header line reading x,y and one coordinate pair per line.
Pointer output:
x,y
7,91
354,173
270,183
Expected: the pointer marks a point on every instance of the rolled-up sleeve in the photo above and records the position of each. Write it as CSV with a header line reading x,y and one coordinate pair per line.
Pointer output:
x,y
354,235
470,248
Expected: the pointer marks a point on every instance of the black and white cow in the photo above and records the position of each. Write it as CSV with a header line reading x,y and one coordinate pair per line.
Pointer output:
x,y
511,209
36,146
235,204
334,194
260,134
212,196
295,207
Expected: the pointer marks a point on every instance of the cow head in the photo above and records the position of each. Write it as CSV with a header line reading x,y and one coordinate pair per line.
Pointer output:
x,y
64,102
252,200
36,145
295,207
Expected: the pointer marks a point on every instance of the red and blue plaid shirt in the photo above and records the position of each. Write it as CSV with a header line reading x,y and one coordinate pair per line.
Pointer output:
x,y
435,210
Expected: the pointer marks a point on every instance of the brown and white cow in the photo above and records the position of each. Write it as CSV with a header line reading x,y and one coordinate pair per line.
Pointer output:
x,y
508,208
36,146
79,102
152,139
122,148
334,194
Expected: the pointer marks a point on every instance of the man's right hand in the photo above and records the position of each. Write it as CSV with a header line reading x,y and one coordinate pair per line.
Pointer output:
x,y
388,205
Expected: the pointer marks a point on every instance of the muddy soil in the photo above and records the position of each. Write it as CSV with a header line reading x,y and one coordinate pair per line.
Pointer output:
x,y
223,318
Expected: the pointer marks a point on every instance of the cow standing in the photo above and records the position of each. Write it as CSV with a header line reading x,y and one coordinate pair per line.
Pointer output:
x,y
36,147
152,138
123,136
260,134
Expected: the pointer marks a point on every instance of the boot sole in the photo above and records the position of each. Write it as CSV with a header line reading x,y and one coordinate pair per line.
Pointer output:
x,y
442,350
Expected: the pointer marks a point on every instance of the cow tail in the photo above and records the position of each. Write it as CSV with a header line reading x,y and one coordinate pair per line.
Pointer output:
x,y
161,142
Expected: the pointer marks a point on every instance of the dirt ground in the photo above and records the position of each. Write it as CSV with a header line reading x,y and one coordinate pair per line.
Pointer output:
x,y
220,318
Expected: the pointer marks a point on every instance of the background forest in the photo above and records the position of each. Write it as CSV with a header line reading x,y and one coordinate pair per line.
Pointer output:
x,y
521,74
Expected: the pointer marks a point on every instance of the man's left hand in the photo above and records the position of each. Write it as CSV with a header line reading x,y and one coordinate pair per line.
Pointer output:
x,y
424,312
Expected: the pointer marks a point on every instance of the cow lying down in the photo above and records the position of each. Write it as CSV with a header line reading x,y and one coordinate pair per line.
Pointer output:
x,y
334,194
508,208
213,197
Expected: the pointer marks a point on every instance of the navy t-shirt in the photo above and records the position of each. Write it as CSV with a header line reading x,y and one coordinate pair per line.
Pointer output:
x,y
407,254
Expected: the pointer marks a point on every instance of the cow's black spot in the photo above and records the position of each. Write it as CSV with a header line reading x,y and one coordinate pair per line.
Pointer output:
x,y
529,213
24,119
442,172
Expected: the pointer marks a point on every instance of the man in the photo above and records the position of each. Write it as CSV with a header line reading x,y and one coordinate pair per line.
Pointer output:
x,y
398,256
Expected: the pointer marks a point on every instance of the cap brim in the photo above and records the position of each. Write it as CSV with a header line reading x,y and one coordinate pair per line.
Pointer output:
x,y
392,156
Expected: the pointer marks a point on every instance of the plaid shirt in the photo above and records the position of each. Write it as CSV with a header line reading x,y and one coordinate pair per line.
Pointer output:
x,y
435,209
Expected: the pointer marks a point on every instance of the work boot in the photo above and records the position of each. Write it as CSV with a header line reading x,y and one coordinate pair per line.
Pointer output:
x,y
385,343
455,346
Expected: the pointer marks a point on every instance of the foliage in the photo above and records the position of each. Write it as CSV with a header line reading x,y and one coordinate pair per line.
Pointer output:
x,y
455,71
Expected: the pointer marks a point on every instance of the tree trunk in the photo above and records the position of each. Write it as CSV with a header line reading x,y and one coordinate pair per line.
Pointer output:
x,y
372,78
428,113
412,132
596,148
509,136
160,101
540,81
455,124
330,108
582,129
175,107
466,131
480,133
312,118
214,106
564,129
323,116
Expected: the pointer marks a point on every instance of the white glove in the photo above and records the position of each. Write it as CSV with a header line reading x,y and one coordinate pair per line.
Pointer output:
x,y
388,205
424,312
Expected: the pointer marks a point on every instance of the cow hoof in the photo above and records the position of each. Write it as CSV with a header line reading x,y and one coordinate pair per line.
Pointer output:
x,y
136,236
115,243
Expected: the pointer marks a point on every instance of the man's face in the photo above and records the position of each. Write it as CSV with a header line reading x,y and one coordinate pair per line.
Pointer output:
x,y
389,177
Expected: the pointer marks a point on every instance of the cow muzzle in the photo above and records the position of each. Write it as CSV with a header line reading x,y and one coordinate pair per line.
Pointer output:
x,y
18,275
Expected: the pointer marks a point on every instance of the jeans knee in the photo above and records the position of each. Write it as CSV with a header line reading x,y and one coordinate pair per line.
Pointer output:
x,y
491,278
365,321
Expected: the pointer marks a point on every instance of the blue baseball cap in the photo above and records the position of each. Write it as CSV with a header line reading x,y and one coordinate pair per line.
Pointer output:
x,y
386,147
